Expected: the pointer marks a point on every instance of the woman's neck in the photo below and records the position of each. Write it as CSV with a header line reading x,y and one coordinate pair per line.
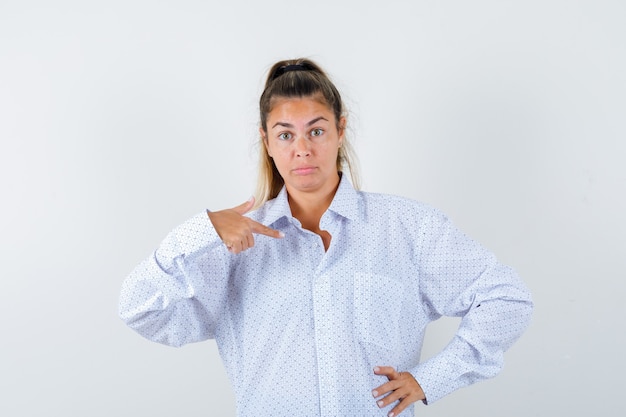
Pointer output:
x,y
309,207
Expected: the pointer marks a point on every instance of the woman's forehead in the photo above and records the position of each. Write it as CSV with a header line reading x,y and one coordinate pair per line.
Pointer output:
x,y
280,100
299,107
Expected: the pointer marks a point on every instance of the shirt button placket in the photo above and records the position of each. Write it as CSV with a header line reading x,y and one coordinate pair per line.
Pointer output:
x,y
329,392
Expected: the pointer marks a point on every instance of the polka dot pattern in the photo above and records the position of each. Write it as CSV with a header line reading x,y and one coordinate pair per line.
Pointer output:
x,y
300,329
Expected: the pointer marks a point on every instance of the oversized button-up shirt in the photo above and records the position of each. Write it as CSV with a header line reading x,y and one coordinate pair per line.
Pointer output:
x,y
300,329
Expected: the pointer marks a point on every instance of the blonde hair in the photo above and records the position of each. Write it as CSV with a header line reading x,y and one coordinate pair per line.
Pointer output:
x,y
299,78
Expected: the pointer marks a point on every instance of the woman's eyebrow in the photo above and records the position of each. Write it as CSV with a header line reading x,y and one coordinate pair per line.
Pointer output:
x,y
316,120
283,124
289,125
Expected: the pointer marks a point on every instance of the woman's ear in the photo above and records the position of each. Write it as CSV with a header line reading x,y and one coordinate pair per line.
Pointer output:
x,y
264,139
342,130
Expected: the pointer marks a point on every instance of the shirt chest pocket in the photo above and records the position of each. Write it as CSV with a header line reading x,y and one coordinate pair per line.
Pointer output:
x,y
377,309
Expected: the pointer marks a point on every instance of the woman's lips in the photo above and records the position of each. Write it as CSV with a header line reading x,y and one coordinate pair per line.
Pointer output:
x,y
303,170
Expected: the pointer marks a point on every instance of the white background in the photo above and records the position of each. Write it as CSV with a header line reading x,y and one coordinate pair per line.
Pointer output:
x,y
121,119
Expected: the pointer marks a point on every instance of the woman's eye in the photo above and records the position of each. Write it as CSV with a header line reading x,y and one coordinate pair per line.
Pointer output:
x,y
317,132
284,136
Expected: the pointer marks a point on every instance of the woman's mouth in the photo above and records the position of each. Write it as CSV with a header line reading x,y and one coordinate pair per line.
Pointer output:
x,y
305,170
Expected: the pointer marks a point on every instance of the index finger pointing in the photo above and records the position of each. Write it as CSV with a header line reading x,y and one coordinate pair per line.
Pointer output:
x,y
261,229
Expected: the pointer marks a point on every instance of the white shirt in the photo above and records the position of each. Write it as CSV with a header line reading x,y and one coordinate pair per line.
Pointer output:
x,y
299,329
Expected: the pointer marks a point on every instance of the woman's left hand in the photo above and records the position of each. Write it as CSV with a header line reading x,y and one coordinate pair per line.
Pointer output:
x,y
401,387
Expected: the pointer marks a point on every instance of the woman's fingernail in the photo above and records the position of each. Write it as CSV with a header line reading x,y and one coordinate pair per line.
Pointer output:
x,y
380,403
375,393
390,414
376,369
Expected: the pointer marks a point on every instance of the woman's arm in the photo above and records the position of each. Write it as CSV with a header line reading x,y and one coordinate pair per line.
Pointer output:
x,y
460,278
175,295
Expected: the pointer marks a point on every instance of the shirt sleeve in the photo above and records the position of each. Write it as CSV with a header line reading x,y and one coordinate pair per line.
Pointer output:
x,y
460,278
175,295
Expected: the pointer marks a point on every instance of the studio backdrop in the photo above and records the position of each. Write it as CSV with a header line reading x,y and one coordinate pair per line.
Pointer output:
x,y
121,119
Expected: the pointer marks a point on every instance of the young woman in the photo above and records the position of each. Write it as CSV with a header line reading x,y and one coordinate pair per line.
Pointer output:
x,y
319,298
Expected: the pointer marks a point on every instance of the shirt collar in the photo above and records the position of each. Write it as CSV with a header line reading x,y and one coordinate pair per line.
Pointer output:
x,y
345,203
346,200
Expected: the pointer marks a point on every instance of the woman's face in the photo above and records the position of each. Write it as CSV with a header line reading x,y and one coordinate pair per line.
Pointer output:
x,y
303,140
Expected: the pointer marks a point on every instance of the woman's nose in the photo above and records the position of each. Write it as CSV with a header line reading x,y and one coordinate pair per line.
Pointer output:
x,y
302,145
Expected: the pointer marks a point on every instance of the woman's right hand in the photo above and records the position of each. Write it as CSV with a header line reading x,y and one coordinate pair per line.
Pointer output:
x,y
236,230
